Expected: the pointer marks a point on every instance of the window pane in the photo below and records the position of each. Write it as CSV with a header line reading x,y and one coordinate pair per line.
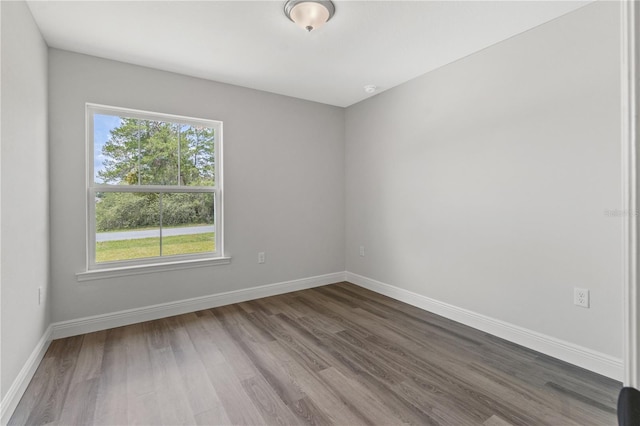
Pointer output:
x,y
116,149
188,223
197,145
109,149
158,153
127,226
131,151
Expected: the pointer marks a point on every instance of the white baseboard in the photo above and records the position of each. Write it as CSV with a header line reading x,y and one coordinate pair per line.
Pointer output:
x,y
583,357
148,313
19,386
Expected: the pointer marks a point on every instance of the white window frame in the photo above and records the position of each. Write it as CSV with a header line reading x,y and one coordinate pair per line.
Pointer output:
x,y
93,188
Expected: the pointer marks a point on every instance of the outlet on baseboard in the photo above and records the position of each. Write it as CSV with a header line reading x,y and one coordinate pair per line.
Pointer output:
x,y
261,257
581,297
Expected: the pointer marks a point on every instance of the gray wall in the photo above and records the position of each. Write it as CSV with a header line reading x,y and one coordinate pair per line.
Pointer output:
x,y
25,186
284,183
484,184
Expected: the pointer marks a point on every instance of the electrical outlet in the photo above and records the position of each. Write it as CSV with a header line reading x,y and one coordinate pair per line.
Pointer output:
x,y
40,295
362,251
261,257
581,297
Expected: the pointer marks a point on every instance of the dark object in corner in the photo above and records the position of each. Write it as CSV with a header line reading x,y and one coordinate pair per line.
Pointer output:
x,y
629,407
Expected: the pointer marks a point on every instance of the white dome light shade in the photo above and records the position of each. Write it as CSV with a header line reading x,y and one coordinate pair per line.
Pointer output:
x,y
310,14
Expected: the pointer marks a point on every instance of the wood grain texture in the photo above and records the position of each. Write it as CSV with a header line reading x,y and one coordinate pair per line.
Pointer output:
x,y
337,354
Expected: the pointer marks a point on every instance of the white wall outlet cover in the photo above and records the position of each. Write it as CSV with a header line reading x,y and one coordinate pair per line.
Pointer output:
x,y
581,297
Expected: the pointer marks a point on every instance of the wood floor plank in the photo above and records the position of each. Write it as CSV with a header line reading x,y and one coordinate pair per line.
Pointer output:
x,y
74,414
336,409
52,385
337,354
169,387
241,323
138,361
111,400
200,392
143,406
441,407
172,398
283,304
238,406
34,404
219,347
264,397
304,354
377,409
212,417
143,409
496,421
89,361
268,366
226,368
309,413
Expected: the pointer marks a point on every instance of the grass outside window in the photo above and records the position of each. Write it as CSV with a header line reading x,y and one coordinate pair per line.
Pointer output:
x,y
110,251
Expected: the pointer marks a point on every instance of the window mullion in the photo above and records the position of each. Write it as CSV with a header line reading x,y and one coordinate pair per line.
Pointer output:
x,y
152,188
139,156
160,207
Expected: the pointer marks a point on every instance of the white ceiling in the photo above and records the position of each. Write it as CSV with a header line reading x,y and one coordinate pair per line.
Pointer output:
x,y
252,43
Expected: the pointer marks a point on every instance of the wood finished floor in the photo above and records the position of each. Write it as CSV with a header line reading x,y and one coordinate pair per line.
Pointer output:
x,y
337,354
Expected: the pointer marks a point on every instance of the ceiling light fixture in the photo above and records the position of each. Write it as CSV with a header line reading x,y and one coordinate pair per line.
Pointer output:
x,y
370,88
309,14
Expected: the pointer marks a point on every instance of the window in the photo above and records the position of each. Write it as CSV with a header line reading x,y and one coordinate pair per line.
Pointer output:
x,y
154,188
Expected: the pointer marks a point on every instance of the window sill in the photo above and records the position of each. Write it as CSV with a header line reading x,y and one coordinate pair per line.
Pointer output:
x,y
100,274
